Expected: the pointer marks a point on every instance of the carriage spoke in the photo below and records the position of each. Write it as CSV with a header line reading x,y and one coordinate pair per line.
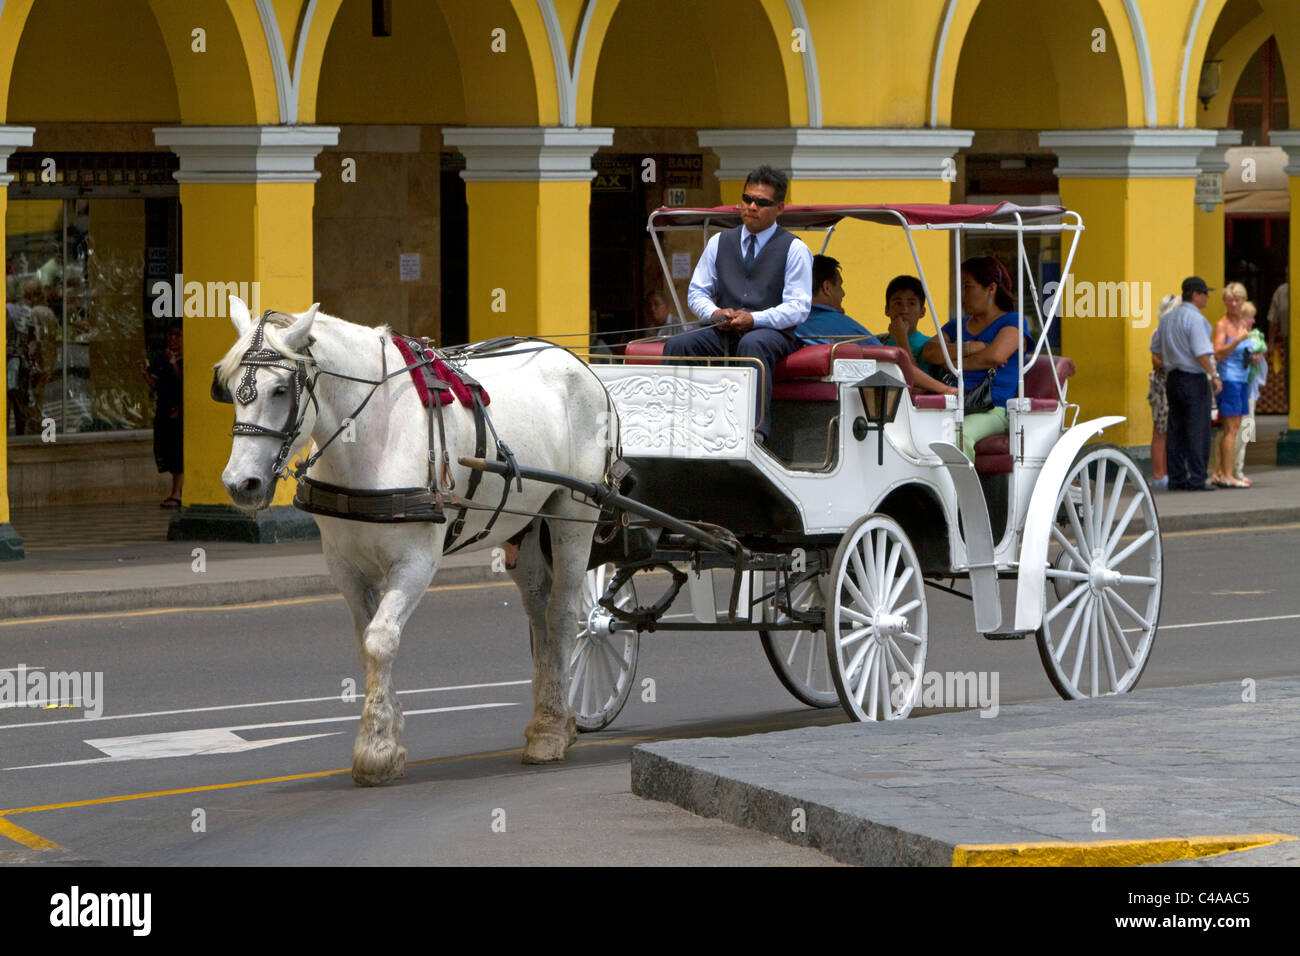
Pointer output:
x,y
1128,609
858,597
855,636
887,585
1069,547
1119,631
912,638
1098,501
1094,638
856,616
886,683
1069,628
1118,533
1080,538
794,647
881,542
911,605
1124,555
1083,643
1085,501
863,573
863,660
870,679
898,654
1103,626
1065,602
897,591
1117,492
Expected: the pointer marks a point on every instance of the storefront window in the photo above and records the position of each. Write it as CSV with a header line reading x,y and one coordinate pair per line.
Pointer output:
x,y
74,319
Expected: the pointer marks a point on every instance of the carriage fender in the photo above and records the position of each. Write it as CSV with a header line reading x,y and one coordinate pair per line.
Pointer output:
x,y
1041,515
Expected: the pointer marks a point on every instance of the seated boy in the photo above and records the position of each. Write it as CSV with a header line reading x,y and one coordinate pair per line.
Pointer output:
x,y
827,322
905,305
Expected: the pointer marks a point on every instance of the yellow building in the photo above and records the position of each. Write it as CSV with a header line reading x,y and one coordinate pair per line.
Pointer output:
x,y
418,162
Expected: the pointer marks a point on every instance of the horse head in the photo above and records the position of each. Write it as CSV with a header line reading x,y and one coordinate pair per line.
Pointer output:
x,y
265,376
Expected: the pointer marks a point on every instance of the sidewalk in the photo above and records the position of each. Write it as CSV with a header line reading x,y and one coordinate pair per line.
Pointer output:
x,y
116,557
1166,776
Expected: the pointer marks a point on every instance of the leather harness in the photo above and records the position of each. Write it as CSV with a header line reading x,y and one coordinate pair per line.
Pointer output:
x,y
435,379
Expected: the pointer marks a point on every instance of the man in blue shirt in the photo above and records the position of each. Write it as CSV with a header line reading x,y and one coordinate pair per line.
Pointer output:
x,y
826,321
751,288
1183,342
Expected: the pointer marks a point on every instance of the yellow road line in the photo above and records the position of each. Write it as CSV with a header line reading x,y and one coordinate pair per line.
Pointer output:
x,y
1250,528
630,739
1109,852
26,837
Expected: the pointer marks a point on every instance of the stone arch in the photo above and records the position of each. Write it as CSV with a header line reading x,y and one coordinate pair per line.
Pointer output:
x,y
466,81
1080,88
648,73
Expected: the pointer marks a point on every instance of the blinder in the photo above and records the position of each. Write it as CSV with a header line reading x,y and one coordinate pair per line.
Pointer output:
x,y
256,356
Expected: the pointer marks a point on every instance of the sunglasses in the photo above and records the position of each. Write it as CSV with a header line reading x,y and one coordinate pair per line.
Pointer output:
x,y
748,200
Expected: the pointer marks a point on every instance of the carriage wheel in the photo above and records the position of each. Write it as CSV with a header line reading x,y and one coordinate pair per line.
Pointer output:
x,y
603,664
799,657
1103,578
877,621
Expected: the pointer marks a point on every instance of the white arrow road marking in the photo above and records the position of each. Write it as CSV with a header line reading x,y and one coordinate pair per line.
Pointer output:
x,y
214,740
257,703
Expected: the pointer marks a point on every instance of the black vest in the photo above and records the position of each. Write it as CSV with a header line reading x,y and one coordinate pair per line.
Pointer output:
x,y
763,286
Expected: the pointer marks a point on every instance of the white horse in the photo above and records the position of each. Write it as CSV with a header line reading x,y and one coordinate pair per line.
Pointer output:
x,y
547,407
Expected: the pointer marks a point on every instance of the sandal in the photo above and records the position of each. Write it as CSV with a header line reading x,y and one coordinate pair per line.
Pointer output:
x,y
170,503
1244,482
1220,482
1237,483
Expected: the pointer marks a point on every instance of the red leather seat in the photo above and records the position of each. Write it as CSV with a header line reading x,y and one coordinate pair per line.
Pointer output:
x,y
799,376
993,454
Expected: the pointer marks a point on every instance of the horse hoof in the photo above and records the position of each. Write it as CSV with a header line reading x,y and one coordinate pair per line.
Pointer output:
x,y
545,748
378,773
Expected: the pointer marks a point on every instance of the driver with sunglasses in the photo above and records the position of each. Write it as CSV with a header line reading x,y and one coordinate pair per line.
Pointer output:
x,y
752,287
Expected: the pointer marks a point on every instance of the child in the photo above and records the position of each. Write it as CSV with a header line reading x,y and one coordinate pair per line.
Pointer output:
x,y
904,306
1258,378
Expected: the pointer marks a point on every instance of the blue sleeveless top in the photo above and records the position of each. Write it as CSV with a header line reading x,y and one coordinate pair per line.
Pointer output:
x,y
1236,367
1004,382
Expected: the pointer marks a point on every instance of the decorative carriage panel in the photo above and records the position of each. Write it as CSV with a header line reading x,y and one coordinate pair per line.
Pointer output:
x,y
682,411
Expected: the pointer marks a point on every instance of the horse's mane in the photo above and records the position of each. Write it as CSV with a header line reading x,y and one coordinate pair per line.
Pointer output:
x,y
276,322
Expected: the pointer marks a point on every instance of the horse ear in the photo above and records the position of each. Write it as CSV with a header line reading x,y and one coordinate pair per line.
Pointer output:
x,y
239,316
296,335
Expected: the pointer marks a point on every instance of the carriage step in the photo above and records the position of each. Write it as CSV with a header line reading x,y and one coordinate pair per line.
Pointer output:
x,y
1008,635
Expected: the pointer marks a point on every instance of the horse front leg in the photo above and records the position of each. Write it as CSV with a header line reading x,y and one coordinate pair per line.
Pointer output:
x,y
377,754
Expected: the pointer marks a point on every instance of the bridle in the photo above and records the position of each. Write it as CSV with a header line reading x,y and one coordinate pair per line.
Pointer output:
x,y
259,356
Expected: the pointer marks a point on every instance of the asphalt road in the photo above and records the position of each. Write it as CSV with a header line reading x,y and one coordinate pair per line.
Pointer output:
x,y
229,735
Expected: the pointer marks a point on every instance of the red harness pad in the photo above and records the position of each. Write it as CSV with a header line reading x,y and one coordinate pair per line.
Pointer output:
x,y
439,370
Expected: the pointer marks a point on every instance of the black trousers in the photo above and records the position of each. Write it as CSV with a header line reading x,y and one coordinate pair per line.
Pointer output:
x,y
1188,442
769,346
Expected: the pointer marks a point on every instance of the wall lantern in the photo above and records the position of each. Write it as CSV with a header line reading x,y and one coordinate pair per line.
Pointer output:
x,y
1209,87
880,396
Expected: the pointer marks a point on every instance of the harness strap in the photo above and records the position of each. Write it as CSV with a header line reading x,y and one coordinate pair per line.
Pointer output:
x,y
475,477
383,506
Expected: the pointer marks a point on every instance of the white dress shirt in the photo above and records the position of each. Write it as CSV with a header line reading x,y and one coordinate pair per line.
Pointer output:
x,y
796,297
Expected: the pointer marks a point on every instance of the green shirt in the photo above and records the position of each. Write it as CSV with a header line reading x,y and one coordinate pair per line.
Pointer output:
x,y
915,342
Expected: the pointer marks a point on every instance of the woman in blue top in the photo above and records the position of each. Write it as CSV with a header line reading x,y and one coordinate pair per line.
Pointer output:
x,y
1232,352
990,338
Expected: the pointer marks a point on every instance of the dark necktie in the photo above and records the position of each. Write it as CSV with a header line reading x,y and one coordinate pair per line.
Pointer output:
x,y
749,253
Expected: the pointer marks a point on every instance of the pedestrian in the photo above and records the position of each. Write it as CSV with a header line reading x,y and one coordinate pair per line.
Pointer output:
x,y
1183,342
1256,379
750,289
1232,357
164,375
1159,402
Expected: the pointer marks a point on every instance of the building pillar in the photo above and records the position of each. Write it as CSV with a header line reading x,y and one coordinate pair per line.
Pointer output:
x,y
11,543
858,166
1288,443
1134,189
1208,217
528,190
246,212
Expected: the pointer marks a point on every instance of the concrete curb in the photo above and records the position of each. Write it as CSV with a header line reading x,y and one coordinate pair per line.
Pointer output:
x,y
204,594
1020,790
1209,521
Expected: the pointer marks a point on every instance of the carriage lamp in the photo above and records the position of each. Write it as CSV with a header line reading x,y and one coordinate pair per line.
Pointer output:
x,y
880,396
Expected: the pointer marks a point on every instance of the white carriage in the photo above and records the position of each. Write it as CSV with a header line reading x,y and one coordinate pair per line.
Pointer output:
x,y
825,538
